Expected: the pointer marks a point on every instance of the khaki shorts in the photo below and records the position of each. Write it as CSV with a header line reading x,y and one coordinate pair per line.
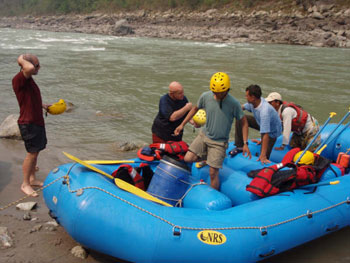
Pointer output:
x,y
206,149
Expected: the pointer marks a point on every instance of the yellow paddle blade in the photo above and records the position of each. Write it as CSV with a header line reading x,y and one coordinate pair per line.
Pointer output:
x,y
334,182
320,150
137,191
109,161
120,183
93,168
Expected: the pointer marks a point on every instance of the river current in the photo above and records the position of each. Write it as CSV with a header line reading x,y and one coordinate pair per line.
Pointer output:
x,y
115,84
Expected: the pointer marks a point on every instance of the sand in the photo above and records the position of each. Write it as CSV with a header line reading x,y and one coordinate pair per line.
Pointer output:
x,y
33,241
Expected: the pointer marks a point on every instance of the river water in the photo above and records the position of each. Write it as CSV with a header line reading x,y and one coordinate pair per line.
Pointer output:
x,y
115,84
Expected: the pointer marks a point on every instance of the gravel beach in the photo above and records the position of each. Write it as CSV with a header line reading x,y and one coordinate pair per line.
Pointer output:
x,y
37,239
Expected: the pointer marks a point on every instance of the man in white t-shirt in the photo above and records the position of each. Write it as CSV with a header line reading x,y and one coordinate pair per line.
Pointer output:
x,y
295,119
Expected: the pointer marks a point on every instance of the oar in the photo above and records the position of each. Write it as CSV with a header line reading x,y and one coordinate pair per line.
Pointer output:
x,y
317,134
320,184
336,127
120,183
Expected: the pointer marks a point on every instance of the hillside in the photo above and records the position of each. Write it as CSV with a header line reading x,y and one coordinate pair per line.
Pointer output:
x,y
322,23
59,7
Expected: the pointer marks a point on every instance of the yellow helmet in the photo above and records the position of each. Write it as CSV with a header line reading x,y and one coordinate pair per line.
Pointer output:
x,y
220,82
308,158
57,108
200,117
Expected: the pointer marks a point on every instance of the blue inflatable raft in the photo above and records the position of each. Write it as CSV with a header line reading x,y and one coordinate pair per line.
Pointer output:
x,y
232,225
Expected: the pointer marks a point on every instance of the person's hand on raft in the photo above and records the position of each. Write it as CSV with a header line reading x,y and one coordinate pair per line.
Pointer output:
x,y
246,151
263,159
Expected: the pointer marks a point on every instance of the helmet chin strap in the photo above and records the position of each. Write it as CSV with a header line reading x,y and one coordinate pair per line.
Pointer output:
x,y
227,91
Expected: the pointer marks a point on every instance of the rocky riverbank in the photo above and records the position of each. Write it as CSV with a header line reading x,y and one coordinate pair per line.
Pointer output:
x,y
323,25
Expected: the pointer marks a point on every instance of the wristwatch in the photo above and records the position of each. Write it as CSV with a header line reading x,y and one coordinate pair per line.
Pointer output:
x,y
245,142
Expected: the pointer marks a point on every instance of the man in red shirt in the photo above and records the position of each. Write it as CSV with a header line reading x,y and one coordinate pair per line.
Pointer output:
x,y
31,120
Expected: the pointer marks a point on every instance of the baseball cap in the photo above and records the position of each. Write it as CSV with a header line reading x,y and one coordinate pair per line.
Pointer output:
x,y
273,96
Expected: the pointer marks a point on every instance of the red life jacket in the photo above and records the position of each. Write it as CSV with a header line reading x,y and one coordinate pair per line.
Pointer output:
x,y
272,180
157,150
298,123
262,185
132,175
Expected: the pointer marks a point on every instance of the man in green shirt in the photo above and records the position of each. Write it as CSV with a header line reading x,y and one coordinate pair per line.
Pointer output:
x,y
211,143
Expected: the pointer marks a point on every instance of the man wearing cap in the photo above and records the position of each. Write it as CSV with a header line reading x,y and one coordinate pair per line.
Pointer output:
x,y
295,119
265,119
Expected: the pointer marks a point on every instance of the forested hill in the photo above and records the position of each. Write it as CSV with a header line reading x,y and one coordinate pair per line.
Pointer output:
x,y
59,7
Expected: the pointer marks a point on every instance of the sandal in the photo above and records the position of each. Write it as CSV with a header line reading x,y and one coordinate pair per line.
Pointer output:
x,y
235,151
200,164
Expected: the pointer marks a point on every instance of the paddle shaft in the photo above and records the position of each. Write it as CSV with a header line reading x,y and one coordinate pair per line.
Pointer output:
x,y
320,184
116,161
108,161
313,140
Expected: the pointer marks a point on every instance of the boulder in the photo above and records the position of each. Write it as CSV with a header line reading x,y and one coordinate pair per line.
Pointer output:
x,y
325,8
120,29
5,239
317,15
127,146
79,252
347,12
27,206
9,128
211,12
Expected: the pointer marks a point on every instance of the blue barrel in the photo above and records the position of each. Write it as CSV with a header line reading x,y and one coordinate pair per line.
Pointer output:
x,y
170,180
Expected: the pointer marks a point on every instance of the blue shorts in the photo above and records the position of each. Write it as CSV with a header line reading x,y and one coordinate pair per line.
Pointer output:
x,y
34,137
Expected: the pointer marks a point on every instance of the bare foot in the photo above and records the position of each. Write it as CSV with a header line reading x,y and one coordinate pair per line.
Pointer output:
x,y
37,183
28,190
